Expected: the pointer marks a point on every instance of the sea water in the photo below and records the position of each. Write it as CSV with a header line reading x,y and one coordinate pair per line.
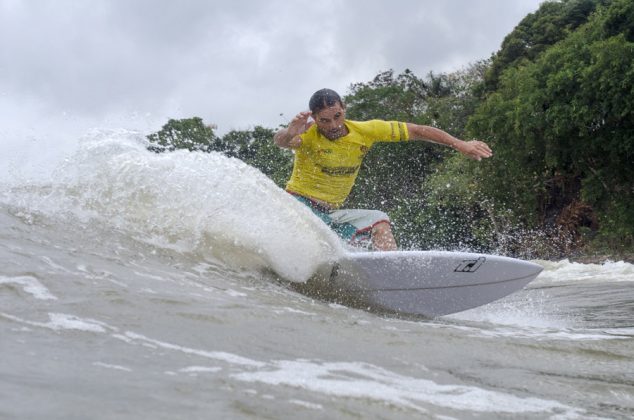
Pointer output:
x,y
142,285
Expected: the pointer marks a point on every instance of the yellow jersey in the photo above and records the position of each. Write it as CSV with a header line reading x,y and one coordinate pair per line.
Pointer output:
x,y
326,169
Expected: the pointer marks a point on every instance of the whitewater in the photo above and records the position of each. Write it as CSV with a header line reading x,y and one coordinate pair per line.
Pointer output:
x,y
143,285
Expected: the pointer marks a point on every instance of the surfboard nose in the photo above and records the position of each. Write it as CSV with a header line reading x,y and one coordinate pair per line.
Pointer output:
x,y
528,268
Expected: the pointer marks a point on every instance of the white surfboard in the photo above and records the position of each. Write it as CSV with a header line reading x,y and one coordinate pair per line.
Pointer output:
x,y
428,283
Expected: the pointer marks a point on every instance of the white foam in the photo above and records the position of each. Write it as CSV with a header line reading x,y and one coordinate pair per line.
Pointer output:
x,y
217,355
306,404
200,369
362,380
235,293
30,285
509,321
203,203
549,334
293,311
565,271
59,322
111,366
55,266
619,332
71,322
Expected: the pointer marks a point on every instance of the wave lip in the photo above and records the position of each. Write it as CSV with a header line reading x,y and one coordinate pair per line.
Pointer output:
x,y
206,204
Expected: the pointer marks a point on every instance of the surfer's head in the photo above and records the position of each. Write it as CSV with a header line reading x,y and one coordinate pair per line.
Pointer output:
x,y
329,113
322,99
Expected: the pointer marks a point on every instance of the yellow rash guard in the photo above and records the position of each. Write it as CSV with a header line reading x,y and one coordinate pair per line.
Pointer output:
x,y
326,169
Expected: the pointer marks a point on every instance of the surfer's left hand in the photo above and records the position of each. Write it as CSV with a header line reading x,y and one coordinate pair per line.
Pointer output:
x,y
475,149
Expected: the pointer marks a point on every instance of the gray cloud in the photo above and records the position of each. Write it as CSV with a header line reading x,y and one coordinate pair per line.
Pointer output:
x,y
237,63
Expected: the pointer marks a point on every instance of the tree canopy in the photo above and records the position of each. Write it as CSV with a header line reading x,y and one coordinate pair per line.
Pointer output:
x,y
562,126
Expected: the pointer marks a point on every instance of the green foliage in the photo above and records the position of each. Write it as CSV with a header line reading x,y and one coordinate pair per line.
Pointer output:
x,y
537,32
617,221
449,211
619,19
392,175
401,99
254,147
189,133
451,107
563,129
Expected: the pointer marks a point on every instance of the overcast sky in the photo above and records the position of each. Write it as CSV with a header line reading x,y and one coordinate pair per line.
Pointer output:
x,y
74,64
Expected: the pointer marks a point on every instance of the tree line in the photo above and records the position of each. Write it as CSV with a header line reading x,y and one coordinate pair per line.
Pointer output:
x,y
556,105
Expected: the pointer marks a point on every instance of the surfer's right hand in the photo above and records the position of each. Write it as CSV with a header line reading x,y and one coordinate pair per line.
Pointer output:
x,y
295,142
299,124
289,137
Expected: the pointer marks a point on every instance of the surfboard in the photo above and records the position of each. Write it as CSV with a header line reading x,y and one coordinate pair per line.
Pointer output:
x,y
427,283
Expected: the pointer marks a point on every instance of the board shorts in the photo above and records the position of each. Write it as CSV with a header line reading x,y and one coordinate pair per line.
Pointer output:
x,y
353,225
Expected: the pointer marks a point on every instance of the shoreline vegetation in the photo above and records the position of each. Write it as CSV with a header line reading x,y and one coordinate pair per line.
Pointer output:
x,y
555,103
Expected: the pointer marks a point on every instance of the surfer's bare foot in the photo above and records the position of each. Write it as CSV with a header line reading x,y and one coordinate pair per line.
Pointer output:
x,y
382,238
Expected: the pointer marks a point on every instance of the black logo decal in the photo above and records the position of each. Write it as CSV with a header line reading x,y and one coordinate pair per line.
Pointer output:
x,y
470,266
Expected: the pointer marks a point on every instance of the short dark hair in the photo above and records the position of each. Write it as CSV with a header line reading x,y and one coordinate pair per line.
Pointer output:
x,y
322,99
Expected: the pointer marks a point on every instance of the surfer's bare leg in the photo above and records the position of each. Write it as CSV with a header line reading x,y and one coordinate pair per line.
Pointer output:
x,y
382,238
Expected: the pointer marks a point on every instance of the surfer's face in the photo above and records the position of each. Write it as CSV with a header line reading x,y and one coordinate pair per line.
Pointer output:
x,y
330,121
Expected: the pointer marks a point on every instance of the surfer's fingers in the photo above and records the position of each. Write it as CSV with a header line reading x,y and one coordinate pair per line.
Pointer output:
x,y
299,124
481,149
302,116
295,142
485,147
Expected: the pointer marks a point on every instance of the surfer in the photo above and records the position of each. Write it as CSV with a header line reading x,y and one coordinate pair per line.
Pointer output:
x,y
329,150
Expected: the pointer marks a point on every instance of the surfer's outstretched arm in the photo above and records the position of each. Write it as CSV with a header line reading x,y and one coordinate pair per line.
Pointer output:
x,y
474,149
